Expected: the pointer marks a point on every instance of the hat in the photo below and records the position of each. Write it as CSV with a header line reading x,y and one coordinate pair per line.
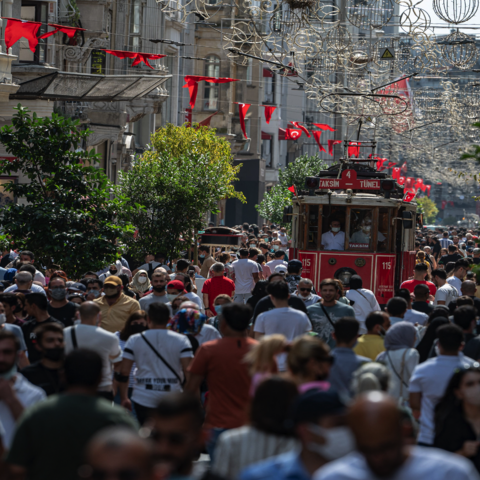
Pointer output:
x,y
112,280
10,274
281,269
314,404
294,265
176,285
187,321
78,287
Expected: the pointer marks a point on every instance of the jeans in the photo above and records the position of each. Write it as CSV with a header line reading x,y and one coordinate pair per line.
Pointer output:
x,y
241,297
142,412
211,443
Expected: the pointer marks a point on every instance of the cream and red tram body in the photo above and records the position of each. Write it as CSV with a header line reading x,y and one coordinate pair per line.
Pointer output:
x,y
379,228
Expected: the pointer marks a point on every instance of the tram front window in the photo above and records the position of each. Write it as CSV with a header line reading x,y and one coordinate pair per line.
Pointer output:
x,y
361,230
383,223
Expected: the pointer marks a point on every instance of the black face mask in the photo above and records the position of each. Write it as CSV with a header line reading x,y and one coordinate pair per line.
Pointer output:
x,y
137,328
159,288
113,272
54,354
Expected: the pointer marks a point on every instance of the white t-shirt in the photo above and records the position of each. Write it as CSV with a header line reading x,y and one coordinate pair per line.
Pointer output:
x,y
445,293
333,242
273,263
283,239
28,395
422,463
100,341
244,269
455,282
365,302
287,321
153,378
431,378
33,288
194,298
147,300
207,333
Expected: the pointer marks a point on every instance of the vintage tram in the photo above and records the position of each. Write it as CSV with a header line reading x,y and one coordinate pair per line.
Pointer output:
x,y
377,228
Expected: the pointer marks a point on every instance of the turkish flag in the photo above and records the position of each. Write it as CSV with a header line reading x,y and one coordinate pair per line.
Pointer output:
x,y
380,166
191,82
324,126
268,112
138,56
396,173
331,143
409,182
409,196
243,109
419,181
354,149
316,136
69,31
292,134
206,122
428,188
17,29
293,190
401,180
302,128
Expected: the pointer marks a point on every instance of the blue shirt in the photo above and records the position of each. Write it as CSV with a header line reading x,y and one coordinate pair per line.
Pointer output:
x,y
287,466
341,372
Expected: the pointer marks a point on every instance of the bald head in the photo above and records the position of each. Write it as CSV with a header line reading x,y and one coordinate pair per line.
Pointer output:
x,y
89,313
118,449
376,423
468,287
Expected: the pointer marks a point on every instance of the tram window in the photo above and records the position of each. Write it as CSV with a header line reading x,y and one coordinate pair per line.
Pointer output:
x,y
333,216
312,231
383,229
361,230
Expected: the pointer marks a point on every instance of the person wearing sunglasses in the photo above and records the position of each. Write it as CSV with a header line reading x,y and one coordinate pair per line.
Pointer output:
x,y
305,292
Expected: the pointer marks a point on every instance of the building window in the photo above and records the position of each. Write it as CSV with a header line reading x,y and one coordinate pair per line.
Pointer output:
x,y
246,147
269,86
211,91
250,71
34,12
267,151
135,25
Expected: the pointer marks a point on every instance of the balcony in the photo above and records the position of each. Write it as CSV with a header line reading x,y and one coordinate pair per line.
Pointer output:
x,y
7,86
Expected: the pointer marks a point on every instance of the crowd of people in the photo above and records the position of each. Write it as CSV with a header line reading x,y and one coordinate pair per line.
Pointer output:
x,y
133,374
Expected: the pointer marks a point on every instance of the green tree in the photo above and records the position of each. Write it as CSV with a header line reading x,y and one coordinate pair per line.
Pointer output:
x,y
182,176
279,197
63,209
428,208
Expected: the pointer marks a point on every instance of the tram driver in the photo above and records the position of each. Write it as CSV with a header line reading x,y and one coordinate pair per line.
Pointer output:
x,y
363,235
334,239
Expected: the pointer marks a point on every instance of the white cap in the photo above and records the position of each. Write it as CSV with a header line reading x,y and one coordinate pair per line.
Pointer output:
x,y
281,269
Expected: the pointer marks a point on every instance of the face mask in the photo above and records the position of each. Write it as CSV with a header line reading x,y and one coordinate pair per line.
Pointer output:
x,y
95,293
9,374
252,245
201,256
58,293
335,229
3,318
276,247
54,354
159,288
142,279
110,292
338,442
218,309
113,272
172,296
472,395
174,268
366,228
137,328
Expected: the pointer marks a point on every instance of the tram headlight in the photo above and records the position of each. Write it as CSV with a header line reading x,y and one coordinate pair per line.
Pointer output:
x,y
388,186
312,183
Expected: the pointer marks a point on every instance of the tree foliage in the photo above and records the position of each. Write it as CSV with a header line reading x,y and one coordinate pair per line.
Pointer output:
x,y
279,197
428,208
63,209
181,177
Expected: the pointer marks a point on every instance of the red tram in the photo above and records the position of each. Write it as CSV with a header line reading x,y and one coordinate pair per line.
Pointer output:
x,y
376,228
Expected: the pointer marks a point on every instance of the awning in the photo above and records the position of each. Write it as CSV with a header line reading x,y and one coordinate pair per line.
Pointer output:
x,y
89,88
266,136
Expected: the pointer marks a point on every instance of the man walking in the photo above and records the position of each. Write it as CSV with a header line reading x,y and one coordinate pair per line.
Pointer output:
x,y
159,283
217,285
245,276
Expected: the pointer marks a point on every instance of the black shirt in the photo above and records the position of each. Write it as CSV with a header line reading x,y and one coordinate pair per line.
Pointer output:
x,y
44,377
450,258
476,260
266,304
65,314
6,259
423,307
30,338
476,303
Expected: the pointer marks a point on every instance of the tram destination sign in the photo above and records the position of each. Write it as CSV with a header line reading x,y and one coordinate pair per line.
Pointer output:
x,y
349,180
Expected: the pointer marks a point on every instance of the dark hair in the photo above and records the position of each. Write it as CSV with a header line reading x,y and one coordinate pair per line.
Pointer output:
x,y
187,281
404,293
278,290
397,306
28,253
355,282
243,252
464,316
271,406
450,337
279,253
176,404
124,278
203,248
89,273
439,273
90,281
252,252
421,291
452,248
56,277
450,266
464,300
426,342
158,313
46,327
38,299
421,267
260,258
8,335
9,298
346,329
260,289
126,330
462,263
374,318
237,315
28,267
182,264
83,367
329,281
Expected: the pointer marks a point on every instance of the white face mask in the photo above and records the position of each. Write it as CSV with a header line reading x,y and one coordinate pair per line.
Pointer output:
x,y
472,395
338,442
276,247
366,228
142,279
335,229
3,318
172,297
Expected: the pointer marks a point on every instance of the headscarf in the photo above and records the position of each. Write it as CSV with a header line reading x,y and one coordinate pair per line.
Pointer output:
x,y
138,287
401,335
426,343
187,321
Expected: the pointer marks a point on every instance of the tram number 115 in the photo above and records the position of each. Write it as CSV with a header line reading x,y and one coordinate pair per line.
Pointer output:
x,y
387,265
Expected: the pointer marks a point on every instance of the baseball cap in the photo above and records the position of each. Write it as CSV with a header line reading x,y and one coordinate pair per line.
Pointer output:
x,y
78,287
295,264
314,404
112,280
281,269
176,285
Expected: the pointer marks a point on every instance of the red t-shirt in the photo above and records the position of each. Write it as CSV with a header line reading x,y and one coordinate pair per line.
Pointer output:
x,y
221,363
216,286
411,284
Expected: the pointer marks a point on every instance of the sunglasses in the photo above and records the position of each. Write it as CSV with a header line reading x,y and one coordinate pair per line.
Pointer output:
x,y
305,289
125,474
173,438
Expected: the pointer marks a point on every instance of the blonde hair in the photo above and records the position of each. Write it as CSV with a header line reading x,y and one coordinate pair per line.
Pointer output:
x,y
261,358
302,350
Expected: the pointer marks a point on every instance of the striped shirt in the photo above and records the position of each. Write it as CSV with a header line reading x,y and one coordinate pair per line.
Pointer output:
x,y
241,447
445,242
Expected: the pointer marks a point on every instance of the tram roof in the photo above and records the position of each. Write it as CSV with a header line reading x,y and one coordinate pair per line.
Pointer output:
x,y
358,199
